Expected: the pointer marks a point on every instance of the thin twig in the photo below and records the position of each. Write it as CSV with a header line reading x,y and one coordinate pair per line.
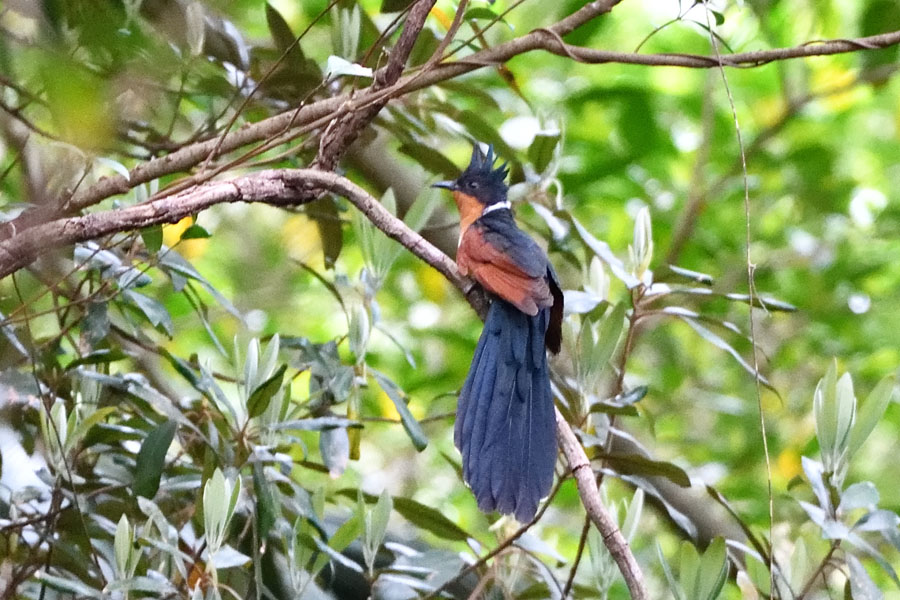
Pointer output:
x,y
582,542
751,290
500,547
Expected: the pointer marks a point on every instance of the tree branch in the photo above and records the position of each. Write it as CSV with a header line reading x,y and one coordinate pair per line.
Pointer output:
x,y
343,132
290,187
549,39
553,43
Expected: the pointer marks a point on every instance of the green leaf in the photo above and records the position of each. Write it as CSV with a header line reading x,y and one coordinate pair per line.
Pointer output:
x,y
266,507
602,250
122,546
420,515
153,238
862,494
345,535
484,131
412,427
155,312
430,159
815,474
261,397
667,571
173,263
540,153
758,572
635,464
870,412
429,519
324,212
376,527
151,460
95,325
713,570
281,32
98,357
752,537
316,424
608,336
359,331
69,585
195,232
613,409
480,12
720,18
689,570
718,342
633,514
824,410
667,271
86,424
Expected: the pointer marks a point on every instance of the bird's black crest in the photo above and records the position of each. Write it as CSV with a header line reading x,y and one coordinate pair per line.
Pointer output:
x,y
483,165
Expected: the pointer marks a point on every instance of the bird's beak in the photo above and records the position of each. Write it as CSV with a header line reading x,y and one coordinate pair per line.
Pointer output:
x,y
447,185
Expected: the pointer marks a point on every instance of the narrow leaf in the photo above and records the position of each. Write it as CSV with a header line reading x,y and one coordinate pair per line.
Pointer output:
x,y
153,238
718,342
266,507
635,464
98,357
261,397
151,459
412,427
870,412
195,232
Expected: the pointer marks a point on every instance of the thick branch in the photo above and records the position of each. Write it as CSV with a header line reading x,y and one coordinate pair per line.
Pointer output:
x,y
344,131
285,187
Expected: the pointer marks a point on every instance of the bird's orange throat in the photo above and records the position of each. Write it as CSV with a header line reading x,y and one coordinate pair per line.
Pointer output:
x,y
470,210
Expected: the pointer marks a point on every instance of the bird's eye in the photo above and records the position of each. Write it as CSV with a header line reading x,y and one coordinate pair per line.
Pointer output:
x,y
473,185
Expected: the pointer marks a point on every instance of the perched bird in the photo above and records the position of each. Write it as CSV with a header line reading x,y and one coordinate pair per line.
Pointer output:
x,y
505,421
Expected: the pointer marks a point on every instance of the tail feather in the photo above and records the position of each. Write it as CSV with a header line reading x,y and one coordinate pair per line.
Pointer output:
x,y
476,412
505,426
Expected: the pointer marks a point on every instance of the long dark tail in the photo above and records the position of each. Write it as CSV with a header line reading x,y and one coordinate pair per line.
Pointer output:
x,y
505,423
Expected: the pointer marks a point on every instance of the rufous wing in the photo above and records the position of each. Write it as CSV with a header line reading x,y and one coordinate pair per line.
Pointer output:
x,y
498,272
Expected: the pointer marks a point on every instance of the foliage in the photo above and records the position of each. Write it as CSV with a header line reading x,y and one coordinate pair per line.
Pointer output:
x,y
257,402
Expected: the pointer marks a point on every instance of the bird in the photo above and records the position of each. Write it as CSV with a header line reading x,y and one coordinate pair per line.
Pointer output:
x,y
505,419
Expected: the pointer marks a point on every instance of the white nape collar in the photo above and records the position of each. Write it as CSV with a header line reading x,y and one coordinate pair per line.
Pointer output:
x,y
498,206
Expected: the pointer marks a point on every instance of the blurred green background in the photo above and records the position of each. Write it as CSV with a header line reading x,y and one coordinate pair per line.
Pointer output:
x,y
96,87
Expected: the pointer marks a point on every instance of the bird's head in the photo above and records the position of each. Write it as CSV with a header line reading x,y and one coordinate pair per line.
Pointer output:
x,y
480,181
